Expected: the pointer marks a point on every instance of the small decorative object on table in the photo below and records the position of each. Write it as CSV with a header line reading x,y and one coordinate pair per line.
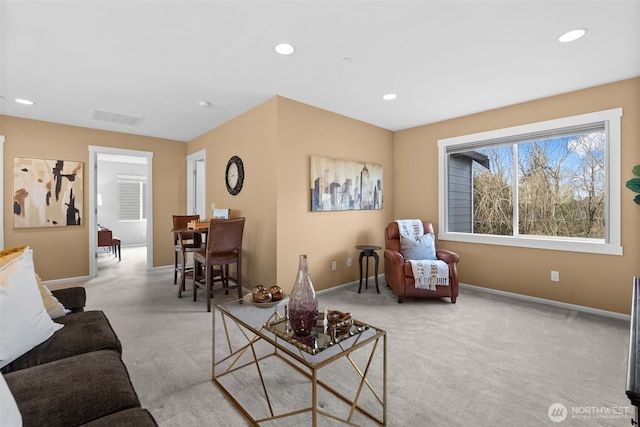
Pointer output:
x,y
276,293
338,324
303,305
262,297
326,333
198,225
261,294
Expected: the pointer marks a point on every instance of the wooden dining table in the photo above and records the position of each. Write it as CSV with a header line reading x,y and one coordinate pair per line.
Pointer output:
x,y
204,230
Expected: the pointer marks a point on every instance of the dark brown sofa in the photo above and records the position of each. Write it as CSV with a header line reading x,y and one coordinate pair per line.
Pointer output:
x,y
76,377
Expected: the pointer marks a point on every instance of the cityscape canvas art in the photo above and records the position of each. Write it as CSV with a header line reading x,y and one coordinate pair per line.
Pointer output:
x,y
47,193
339,185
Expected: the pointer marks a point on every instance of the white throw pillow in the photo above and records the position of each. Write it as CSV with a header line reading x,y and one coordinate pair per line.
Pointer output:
x,y
9,413
421,248
24,322
51,303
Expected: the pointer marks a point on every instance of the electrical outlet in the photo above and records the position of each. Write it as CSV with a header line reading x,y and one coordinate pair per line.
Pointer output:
x,y
349,262
555,276
334,265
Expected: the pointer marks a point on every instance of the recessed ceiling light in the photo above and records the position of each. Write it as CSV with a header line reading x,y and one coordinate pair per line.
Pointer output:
x,y
204,103
572,35
284,49
24,101
389,96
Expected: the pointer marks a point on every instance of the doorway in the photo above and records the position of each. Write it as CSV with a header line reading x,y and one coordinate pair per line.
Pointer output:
x,y
196,179
120,199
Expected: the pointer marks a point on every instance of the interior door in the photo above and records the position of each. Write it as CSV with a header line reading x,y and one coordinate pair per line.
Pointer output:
x,y
196,180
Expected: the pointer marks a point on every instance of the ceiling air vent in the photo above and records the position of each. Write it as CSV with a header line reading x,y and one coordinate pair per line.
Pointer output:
x,y
122,119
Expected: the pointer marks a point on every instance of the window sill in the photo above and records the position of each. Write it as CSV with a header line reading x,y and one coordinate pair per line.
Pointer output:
x,y
593,246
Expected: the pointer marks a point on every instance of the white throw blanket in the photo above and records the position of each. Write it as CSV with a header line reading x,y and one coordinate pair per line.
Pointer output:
x,y
410,228
426,273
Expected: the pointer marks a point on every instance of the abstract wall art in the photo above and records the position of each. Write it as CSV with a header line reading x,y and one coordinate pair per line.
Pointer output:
x,y
47,193
340,185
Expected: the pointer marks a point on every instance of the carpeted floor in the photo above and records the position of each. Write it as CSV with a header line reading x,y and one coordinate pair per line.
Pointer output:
x,y
487,360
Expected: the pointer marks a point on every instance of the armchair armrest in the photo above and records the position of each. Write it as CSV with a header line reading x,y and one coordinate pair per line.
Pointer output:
x,y
73,299
447,256
394,256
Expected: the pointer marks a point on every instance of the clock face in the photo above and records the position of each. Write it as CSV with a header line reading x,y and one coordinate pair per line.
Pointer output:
x,y
234,175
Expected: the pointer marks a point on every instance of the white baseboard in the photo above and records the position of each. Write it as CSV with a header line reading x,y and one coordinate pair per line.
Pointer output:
x,y
568,306
65,283
333,288
66,280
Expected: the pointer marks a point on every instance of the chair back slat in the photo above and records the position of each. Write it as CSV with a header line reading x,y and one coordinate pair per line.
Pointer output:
x,y
105,237
182,221
225,235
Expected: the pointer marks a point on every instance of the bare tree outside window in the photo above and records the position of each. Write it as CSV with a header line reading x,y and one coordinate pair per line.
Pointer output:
x,y
492,192
553,184
560,187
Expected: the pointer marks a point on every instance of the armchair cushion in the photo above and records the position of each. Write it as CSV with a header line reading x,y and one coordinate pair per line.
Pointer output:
x,y
421,248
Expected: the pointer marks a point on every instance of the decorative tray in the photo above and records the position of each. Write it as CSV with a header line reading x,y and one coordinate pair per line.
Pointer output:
x,y
248,298
320,340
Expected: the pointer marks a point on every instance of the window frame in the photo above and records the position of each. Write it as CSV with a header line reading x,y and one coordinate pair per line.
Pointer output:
x,y
610,245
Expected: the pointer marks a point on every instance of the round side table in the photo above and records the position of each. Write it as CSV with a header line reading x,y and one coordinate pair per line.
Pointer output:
x,y
368,251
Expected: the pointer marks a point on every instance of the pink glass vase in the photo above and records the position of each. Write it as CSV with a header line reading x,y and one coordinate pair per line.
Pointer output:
x,y
303,305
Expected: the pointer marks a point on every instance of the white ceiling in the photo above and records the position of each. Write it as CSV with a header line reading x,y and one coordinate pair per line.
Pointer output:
x,y
156,60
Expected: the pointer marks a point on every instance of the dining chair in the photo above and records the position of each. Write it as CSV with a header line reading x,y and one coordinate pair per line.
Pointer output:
x,y
183,243
223,248
105,238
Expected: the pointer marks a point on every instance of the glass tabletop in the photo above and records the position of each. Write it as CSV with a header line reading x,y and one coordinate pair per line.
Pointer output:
x,y
271,323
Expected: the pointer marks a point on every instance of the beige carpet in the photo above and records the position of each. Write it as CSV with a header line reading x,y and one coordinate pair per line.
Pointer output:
x,y
485,361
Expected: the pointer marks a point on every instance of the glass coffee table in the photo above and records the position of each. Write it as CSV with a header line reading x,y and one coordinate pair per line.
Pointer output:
x,y
275,378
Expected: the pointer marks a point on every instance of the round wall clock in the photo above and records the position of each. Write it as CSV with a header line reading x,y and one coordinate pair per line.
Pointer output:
x,y
234,175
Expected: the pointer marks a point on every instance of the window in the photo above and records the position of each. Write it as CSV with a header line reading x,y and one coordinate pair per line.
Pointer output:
x,y
550,185
132,198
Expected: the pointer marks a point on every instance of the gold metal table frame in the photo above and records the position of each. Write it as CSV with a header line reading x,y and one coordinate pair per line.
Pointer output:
x,y
243,353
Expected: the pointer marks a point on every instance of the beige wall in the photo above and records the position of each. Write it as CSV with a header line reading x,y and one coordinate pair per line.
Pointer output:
x,y
325,236
252,137
275,141
598,281
62,253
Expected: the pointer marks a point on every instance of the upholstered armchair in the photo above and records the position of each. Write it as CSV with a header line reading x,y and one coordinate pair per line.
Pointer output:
x,y
399,273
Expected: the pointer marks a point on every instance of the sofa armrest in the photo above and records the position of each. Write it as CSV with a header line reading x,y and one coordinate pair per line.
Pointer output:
x,y
73,299
447,256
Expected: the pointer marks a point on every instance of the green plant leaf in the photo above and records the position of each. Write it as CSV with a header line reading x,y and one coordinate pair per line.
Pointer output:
x,y
637,199
636,170
634,185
